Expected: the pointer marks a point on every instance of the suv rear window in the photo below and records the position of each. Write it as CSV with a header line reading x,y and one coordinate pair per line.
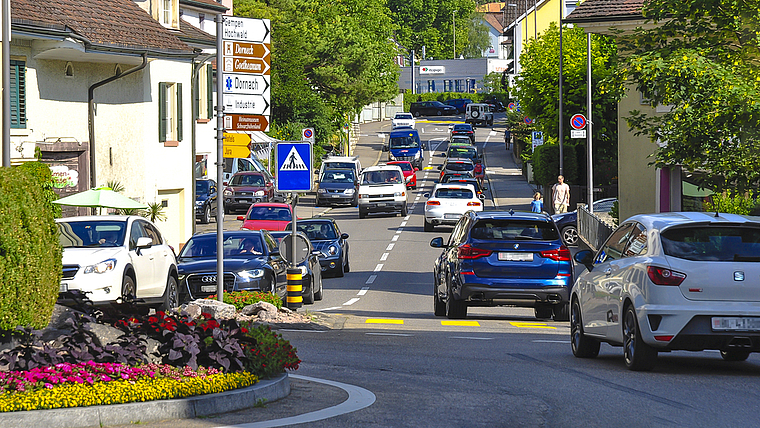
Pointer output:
x,y
459,166
453,193
509,230
713,243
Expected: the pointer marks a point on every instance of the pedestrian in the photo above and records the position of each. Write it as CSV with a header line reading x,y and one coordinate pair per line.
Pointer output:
x,y
536,205
480,172
560,196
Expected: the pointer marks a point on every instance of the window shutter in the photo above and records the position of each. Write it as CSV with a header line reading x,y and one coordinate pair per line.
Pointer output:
x,y
179,112
197,97
210,90
18,94
162,112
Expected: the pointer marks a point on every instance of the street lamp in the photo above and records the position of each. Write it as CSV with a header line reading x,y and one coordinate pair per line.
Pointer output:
x,y
454,25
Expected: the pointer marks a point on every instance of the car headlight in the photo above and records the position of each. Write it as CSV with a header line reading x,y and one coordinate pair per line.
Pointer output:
x,y
259,193
364,196
227,192
101,267
199,203
349,191
398,194
249,275
321,191
390,155
417,154
331,250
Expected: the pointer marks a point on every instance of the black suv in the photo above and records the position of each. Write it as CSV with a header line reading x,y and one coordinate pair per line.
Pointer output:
x,y
205,200
431,108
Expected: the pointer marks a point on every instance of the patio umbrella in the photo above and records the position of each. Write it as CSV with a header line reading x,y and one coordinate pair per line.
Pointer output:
x,y
100,197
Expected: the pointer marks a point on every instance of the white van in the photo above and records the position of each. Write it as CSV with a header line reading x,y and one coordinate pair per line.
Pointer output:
x,y
382,189
233,165
478,114
341,162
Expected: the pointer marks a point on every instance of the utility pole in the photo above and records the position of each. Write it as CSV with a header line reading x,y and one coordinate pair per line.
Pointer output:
x,y
6,46
454,21
561,157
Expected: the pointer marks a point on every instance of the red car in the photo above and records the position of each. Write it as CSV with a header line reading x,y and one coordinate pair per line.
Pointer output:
x,y
267,216
410,173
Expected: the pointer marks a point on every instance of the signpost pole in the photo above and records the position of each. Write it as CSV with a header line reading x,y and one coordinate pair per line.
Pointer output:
x,y
295,277
219,161
588,131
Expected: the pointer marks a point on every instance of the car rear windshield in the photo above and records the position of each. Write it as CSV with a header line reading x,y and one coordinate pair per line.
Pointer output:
x,y
453,193
713,243
460,166
405,142
508,230
270,213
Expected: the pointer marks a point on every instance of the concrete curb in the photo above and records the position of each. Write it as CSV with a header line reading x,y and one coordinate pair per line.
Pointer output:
x,y
132,413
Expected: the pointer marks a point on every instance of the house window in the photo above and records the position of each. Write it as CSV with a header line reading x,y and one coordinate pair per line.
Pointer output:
x,y
431,85
204,90
166,12
459,85
169,112
18,94
201,21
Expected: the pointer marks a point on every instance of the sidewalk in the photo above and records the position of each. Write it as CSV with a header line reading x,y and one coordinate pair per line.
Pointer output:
x,y
509,188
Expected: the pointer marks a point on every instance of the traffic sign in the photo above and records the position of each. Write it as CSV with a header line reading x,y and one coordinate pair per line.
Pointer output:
x,y
577,133
246,104
511,106
236,152
303,248
294,166
307,134
537,139
246,50
528,120
236,139
578,121
246,65
245,122
246,29
250,84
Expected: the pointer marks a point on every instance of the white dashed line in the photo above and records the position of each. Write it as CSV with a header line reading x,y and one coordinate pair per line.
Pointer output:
x,y
403,223
379,267
351,302
384,257
407,218
390,247
371,279
551,341
395,238
399,230
363,291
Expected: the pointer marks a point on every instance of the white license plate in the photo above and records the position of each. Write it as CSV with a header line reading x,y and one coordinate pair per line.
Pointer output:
x,y
516,257
381,204
208,288
64,288
735,323
335,196
451,216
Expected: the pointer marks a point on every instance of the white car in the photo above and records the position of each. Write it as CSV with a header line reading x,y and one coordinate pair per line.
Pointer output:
x,y
382,189
403,120
117,258
448,202
671,281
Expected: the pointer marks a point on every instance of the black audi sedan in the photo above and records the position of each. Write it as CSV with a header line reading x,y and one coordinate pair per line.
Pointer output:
x,y
325,236
311,273
252,262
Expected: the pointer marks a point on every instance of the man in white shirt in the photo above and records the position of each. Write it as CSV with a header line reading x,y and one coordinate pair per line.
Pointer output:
x,y
560,196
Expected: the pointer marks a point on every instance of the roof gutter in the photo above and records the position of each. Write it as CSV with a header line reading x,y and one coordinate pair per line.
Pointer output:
x,y
91,112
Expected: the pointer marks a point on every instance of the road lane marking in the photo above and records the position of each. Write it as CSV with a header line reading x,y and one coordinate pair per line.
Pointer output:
x,y
462,323
383,321
384,257
390,247
363,291
407,218
531,325
371,279
390,334
403,223
379,267
399,230
551,341
332,309
471,338
395,238
351,302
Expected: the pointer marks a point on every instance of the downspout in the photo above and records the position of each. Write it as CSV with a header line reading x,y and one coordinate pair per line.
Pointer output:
x,y
91,112
196,68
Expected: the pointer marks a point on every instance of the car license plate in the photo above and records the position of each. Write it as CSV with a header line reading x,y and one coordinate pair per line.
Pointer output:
x,y
381,204
64,288
516,257
451,216
335,196
735,323
208,288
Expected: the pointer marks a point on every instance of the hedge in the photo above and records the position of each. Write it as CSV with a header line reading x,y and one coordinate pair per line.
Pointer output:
x,y
546,164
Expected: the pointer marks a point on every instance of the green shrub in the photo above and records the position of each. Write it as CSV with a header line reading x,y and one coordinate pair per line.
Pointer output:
x,y
546,164
42,174
242,299
30,251
730,202
271,354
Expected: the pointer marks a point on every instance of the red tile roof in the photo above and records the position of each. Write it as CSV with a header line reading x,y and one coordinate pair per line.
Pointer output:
x,y
490,7
606,10
494,21
101,23
192,33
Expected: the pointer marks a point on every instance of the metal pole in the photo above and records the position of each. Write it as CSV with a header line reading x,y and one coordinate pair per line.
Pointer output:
x,y
293,253
454,21
6,46
411,68
535,12
588,125
219,160
561,157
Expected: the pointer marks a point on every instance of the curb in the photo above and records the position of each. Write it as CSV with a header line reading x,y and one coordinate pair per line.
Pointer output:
x,y
134,413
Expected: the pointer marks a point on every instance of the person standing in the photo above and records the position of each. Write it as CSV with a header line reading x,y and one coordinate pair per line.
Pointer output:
x,y
537,206
560,196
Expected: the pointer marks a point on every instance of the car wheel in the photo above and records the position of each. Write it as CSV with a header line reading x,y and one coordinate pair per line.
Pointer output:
x,y
455,309
318,293
171,295
570,235
638,355
416,114
583,346
403,210
734,355
438,112
439,306
355,202
362,213
562,312
128,290
308,298
206,215
339,273
429,227
543,312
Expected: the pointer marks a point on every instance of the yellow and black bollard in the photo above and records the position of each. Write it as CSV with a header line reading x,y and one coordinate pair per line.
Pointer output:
x,y
295,288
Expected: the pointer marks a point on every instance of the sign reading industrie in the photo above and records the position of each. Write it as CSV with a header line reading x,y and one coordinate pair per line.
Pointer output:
x,y
432,69
294,172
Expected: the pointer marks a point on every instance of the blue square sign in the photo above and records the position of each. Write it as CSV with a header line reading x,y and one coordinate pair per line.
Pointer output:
x,y
294,171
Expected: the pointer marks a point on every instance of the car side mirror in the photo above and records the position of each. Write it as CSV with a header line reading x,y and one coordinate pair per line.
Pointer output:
x,y
482,197
274,253
385,148
586,258
440,167
416,169
143,242
344,236
437,242
241,217
426,195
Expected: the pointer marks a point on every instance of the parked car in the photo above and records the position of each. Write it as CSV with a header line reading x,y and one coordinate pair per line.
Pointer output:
x,y
431,108
205,200
568,222
670,281
409,171
382,189
267,216
448,202
114,259
252,262
495,258
403,120
246,188
337,186
459,103
405,144
461,165
479,114
311,273
464,129
326,237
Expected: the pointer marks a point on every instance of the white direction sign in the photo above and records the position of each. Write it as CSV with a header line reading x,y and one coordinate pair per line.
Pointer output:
x,y
249,84
246,29
246,104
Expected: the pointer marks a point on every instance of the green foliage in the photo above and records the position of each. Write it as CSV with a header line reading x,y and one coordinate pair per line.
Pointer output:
x,y
241,299
30,251
154,212
615,212
42,174
731,202
700,58
546,164
271,355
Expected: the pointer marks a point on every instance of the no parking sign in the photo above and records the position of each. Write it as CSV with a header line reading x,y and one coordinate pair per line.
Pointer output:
x,y
307,134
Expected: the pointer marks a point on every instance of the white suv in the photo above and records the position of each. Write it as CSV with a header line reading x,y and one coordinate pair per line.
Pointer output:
x,y
382,189
478,114
110,258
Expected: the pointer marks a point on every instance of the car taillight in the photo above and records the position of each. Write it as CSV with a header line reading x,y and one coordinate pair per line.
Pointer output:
x,y
473,204
467,252
663,276
433,203
562,254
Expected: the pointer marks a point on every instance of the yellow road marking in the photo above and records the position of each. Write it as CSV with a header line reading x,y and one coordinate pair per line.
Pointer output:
x,y
383,321
462,323
428,168
531,325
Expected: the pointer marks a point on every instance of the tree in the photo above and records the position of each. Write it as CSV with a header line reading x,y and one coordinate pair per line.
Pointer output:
x,y
701,61
478,38
538,97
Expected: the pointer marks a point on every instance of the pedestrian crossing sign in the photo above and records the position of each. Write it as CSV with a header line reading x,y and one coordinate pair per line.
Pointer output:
x,y
294,172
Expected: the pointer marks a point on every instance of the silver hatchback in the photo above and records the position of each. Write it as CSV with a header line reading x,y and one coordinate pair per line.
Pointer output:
x,y
671,281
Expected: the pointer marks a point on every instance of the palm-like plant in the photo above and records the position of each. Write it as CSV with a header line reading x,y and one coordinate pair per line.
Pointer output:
x,y
155,212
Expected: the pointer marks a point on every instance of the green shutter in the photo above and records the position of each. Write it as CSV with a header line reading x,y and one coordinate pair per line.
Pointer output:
x,y
18,94
162,112
196,98
210,90
179,112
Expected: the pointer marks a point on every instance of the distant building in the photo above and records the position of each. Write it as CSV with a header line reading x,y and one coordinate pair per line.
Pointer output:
x,y
451,75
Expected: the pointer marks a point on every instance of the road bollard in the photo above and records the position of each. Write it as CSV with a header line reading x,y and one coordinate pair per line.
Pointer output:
x,y
295,289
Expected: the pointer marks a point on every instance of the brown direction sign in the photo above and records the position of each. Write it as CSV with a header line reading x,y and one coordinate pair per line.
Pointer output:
x,y
245,122
246,65
246,50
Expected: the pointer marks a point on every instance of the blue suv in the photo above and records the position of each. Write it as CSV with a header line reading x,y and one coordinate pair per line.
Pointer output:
x,y
497,258
405,145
